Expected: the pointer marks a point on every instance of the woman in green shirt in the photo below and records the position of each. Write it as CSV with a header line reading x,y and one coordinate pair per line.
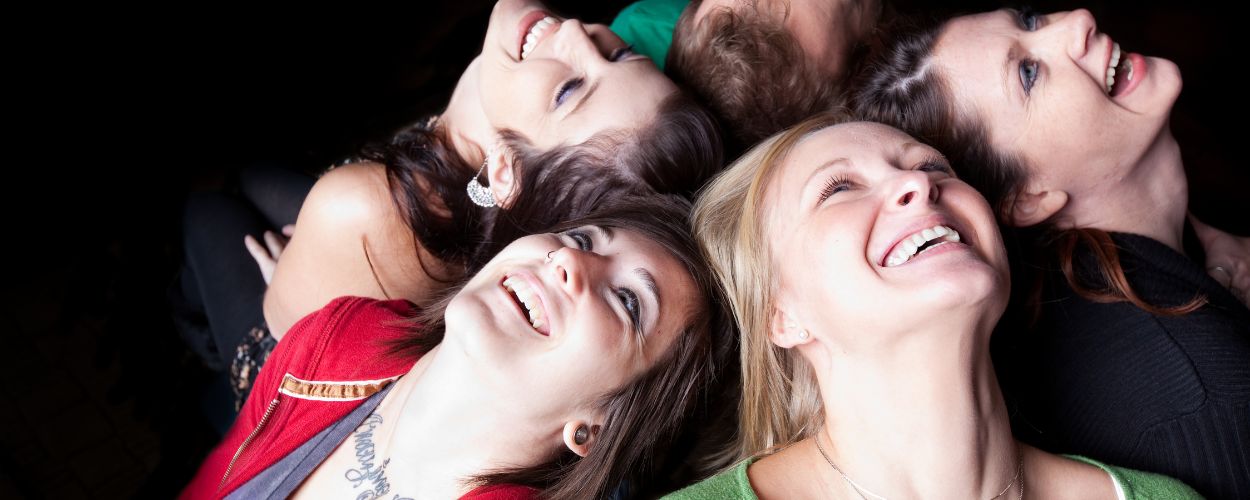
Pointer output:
x,y
867,279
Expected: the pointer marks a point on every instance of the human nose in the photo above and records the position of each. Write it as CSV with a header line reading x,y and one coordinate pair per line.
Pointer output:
x,y
913,187
574,269
578,40
1073,31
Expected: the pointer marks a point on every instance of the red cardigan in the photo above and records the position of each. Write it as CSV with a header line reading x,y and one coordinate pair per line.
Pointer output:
x,y
329,363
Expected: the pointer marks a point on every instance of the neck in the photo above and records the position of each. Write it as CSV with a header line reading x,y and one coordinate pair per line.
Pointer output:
x,y
924,418
1149,199
465,120
451,428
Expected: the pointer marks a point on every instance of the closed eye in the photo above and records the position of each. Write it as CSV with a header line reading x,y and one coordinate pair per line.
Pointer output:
x,y
621,53
565,90
835,185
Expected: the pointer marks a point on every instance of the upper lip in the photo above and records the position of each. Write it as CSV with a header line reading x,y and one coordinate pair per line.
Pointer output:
x,y
532,19
538,288
912,228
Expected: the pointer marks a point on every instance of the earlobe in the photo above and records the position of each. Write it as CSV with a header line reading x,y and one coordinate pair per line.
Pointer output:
x,y
1032,208
580,436
785,332
500,172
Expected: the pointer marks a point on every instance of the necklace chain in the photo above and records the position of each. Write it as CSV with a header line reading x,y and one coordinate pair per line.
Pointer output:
x,y
864,493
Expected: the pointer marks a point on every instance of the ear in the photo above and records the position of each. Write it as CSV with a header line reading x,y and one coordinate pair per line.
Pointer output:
x,y
1033,207
591,435
500,173
785,332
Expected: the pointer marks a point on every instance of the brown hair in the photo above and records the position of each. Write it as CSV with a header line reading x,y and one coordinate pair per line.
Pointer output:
x,y
750,70
645,416
900,86
781,401
674,154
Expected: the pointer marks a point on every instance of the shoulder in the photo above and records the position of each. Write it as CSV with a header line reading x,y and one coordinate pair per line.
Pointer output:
x,y
349,328
350,195
1138,485
729,484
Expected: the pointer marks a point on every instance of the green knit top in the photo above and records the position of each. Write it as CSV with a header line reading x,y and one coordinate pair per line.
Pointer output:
x,y
648,26
1131,485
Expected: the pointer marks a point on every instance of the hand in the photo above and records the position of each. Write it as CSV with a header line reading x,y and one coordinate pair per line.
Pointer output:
x,y
1228,258
267,258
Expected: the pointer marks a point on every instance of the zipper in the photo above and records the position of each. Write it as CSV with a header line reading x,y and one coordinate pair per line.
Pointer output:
x,y
259,425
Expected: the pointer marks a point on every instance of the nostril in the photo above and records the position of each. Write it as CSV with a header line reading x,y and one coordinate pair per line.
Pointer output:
x,y
902,202
562,274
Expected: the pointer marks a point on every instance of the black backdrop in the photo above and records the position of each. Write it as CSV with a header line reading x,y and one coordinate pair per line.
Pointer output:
x,y
117,113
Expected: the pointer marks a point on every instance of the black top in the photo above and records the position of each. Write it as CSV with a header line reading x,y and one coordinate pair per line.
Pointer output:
x,y
1113,382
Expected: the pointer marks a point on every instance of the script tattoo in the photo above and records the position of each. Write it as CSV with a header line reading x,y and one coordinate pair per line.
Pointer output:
x,y
369,474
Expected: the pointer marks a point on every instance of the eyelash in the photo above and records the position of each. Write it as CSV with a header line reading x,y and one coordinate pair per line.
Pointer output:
x,y
835,185
1028,19
935,164
629,299
621,53
567,88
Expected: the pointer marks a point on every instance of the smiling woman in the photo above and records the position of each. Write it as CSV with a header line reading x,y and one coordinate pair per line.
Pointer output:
x,y
550,118
1135,353
557,370
811,237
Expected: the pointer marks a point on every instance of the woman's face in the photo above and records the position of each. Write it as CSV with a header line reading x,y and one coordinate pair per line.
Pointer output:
x,y
561,333
1039,83
861,223
557,81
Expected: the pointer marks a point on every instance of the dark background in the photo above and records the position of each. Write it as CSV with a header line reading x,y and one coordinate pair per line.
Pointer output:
x,y
115,116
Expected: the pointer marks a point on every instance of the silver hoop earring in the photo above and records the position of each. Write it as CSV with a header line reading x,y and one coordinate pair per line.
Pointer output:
x,y
480,195
548,260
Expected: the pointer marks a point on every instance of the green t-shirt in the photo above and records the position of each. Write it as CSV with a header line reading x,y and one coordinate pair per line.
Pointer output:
x,y
1135,485
648,26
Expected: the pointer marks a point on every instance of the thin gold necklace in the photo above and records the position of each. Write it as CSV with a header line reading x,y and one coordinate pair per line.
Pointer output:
x,y
864,493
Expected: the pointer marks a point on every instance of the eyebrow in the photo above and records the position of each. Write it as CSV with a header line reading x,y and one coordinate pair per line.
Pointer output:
x,y
1010,57
649,281
585,97
825,166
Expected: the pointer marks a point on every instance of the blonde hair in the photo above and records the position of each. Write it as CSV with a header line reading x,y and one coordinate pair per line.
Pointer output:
x,y
781,401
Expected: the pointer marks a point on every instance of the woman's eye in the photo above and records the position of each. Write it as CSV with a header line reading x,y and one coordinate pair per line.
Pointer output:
x,y
935,165
1028,74
629,300
581,239
1028,19
621,53
567,89
835,185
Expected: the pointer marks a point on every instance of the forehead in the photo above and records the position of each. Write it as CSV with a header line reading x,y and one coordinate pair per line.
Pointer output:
x,y
971,55
676,287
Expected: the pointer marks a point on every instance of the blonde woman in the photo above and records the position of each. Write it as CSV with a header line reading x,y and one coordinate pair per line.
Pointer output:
x,y
866,279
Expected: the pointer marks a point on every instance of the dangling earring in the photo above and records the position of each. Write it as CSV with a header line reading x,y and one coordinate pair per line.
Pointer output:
x,y
480,195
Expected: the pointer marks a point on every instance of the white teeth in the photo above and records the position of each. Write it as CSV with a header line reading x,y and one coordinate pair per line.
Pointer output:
x,y
531,38
525,293
1111,65
905,250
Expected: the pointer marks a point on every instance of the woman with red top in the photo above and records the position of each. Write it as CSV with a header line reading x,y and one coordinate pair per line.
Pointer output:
x,y
559,369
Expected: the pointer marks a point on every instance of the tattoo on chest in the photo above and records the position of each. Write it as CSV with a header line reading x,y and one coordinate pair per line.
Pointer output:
x,y
369,474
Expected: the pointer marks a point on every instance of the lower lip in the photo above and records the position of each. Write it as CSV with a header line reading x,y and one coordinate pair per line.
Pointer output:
x,y
1139,74
527,22
944,248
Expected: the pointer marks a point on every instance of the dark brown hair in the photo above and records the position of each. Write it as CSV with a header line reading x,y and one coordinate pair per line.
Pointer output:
x,y
427,178
645,416
750,70
901,86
